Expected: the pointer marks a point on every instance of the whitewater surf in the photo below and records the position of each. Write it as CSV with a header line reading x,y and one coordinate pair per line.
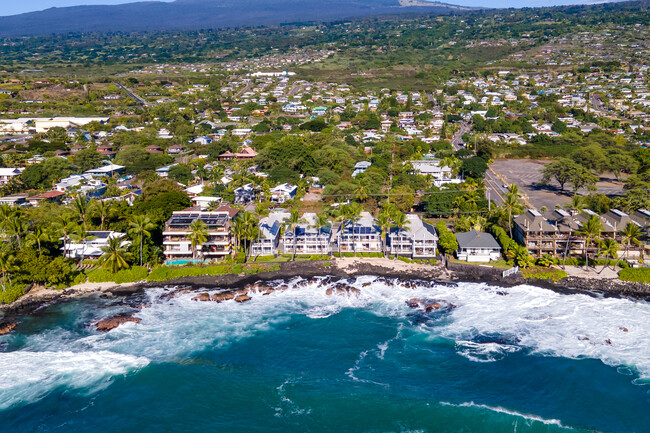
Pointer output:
x,y
326,355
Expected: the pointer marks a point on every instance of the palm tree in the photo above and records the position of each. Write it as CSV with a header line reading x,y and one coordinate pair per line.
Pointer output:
x,y
17,228
590,230
6,213
250,229
80,206
631,235
576,204
64,226
512,204
384,221
339,215
140,228
115,257
292,223
102,208
197,235
352,213
610,248
80,234
322,221
39,235
7,265
400,222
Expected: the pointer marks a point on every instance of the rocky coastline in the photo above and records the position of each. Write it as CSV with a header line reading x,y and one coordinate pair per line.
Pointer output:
x,y
238,286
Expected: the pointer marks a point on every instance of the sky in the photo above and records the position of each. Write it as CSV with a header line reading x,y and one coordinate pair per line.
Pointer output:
x,y
11,7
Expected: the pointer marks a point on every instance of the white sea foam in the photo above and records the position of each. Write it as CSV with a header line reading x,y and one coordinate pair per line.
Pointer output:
x,y
547,323
486,325
26,377
498,409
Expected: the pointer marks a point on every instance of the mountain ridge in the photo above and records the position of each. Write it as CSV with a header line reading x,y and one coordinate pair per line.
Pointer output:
x,y
201,14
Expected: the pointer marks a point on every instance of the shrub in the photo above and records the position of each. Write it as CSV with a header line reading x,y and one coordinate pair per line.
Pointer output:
x,y
136,273
12,293
544,274
637,275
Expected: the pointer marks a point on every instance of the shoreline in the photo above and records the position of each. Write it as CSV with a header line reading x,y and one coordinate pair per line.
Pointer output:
x,y
40,297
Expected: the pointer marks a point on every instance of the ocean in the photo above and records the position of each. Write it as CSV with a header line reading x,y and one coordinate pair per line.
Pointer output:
x,y
520,359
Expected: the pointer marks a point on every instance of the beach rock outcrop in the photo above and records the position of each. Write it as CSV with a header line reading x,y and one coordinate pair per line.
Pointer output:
x,y
242,298
429,305
106,325
223,296
7,328
203,297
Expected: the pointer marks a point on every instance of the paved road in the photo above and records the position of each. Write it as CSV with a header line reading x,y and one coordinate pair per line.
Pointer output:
x,y
457,139
597,103
495,189
132,95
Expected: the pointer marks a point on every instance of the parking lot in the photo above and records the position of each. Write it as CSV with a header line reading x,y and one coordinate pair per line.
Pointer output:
x,y
527,173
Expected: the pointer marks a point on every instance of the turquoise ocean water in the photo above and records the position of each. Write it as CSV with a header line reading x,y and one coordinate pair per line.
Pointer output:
x,y
521,359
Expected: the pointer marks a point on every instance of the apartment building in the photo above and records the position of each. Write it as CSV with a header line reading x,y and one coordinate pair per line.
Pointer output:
x,y
362,236
176,235
269,234
418,240
308,239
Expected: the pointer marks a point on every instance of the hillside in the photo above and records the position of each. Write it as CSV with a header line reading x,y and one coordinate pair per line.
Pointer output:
x,y
200,14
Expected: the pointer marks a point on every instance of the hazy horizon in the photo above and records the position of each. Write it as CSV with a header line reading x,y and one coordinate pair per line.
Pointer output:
x,y
37,5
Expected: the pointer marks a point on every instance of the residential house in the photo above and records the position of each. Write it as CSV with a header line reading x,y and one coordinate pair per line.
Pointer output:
x,y
477,246
244,194
91,247
84,184
283,192
268,240
418,240
176,234
14,199
8,173
361,167
362,236
107,170
49,196
308,238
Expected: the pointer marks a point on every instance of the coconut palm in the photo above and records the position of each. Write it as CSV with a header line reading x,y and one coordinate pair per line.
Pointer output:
x,y
38,236
198,235
102,208
64,226
576,204
352,214
250,229
338,215
400,222
292,224
384,221
80,234
610,248
512,204
631,235
140,228
322,221
590,230
115,257
17,228
81,207
7,265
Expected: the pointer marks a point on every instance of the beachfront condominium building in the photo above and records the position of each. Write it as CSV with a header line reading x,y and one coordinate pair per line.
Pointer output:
x,y
270,229
308,237
418,240
218,244
360,236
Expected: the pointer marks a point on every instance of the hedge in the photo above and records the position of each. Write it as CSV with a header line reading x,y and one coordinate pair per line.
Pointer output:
x,y
136,273
637,275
